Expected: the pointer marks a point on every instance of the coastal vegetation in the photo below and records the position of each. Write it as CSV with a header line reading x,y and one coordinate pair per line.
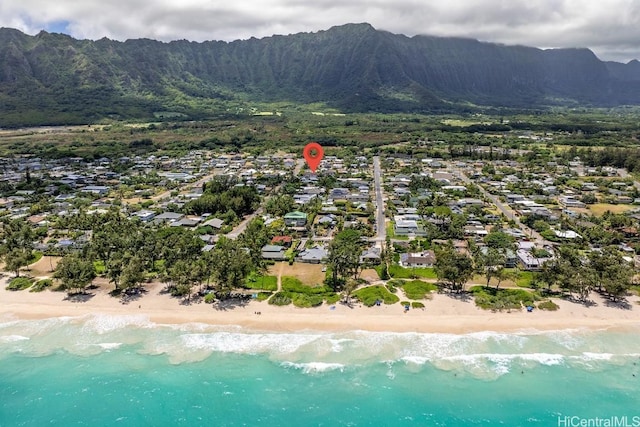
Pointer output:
x,y
19,283
502,299
372,295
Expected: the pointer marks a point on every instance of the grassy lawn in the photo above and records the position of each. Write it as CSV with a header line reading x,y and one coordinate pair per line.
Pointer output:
x,y
398,272
525,279
600,208
267,283
35,257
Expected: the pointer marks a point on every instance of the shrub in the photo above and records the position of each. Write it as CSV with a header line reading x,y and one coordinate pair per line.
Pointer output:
x,y
19,283
294,291
292,284
209,298
332,298
417,304
280,298
502,299
548,305
41,285
306,301
369,295
263,296
417,289
99,267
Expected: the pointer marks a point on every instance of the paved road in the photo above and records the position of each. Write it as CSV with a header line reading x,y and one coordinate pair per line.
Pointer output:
x,y
506,210
243,224
381,234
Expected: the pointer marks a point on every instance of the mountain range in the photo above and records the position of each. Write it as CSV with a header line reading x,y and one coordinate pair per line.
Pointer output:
x,y
56,79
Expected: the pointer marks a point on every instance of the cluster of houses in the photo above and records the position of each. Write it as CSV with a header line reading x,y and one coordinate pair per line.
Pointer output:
x,y
161,185
542,193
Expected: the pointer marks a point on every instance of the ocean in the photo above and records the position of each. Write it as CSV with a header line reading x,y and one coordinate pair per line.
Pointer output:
x,y
127,371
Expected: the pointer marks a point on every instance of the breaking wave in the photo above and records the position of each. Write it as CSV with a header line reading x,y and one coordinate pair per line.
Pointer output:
x,y
483,355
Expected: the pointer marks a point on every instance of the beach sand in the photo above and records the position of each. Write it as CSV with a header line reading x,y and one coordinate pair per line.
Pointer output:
x,y
442,313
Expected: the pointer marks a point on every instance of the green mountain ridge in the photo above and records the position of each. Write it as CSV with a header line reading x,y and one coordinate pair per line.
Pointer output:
x,y
55,79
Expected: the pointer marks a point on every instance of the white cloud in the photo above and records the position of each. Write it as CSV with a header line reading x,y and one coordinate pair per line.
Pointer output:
x,y
610,28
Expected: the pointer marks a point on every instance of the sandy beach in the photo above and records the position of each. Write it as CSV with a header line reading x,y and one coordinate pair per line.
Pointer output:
x,y
442,313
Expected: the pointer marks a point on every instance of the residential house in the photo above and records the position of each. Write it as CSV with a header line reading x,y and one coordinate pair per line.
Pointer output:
x,y
167,217
295,219
214,222
313,256
404,225
95,189
570,202
418,259
475,230
370,255
145,216
284,241
273,252
527,257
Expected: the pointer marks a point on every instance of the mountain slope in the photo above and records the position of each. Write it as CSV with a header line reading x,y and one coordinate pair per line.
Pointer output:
x,y
54,79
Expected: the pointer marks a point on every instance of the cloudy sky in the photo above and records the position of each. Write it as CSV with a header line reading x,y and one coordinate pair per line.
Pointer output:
x,y
611,28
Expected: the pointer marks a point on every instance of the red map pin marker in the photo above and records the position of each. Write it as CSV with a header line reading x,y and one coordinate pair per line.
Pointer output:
x,y
313,153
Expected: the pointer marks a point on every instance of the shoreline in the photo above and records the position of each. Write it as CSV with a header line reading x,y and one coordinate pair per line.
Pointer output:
x,y
442,314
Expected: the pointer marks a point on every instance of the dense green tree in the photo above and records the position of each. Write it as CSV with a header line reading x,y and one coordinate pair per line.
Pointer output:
x,y
344,256
254,237
223,194
499,240
611,272
279,205
491,264
75,272
453,268
133,273
231,266
17,244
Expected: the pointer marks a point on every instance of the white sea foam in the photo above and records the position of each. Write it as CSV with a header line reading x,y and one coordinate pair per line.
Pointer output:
x,y
102,324
544,358
314,367
228,342
415,360
109,345
596,356
13,338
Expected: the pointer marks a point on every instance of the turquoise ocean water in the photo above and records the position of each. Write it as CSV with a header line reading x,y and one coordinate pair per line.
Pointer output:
x,y
127,371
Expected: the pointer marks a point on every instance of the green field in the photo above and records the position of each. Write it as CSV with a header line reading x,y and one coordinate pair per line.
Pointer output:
x,y
266,283
398,272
